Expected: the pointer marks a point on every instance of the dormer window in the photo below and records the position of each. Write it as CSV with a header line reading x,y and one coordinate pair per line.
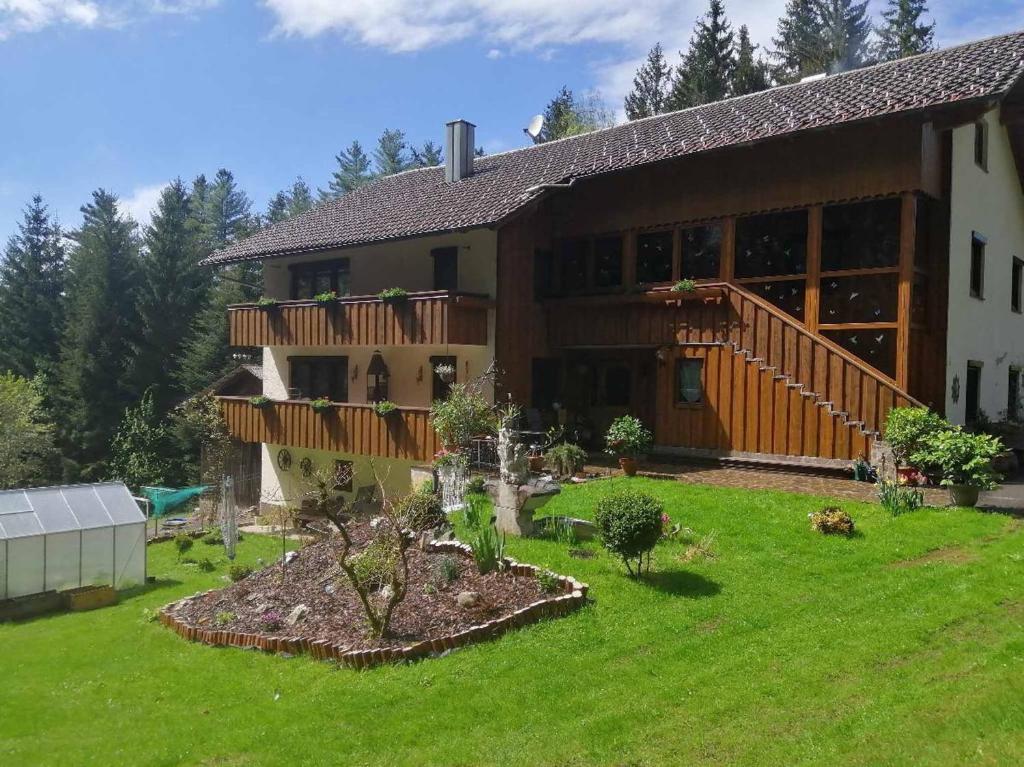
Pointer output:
x,y
981,144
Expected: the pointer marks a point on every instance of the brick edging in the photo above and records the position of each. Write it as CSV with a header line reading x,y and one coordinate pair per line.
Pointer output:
x,y
573,596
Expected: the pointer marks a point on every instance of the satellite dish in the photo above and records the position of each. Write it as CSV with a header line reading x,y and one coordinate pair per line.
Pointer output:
x,y
534,128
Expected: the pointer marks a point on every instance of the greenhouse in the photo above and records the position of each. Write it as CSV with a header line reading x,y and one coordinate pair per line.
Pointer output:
x,y
57,538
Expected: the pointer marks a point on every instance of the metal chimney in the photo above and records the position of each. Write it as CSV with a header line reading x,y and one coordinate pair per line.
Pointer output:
x,y
459,150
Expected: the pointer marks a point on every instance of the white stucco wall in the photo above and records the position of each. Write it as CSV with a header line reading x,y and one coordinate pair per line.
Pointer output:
x,y
986,330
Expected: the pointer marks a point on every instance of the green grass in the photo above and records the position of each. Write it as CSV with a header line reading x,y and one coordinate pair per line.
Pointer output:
x,y
787,648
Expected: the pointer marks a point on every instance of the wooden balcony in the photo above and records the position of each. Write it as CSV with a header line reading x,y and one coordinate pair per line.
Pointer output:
x,y
355,429
433,318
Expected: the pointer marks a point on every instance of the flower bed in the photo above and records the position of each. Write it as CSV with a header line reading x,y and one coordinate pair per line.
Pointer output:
x,y
426,623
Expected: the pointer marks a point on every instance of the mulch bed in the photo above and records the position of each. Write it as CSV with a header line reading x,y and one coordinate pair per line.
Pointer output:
x,y
428,617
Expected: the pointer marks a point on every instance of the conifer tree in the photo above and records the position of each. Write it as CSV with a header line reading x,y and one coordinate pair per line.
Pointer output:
x,y
172,290
750,75
352,172
289,202
846,28
391,154
32,273
427,157
706,71
226,216
798,41
650,86
816,36
565,115
903,31
96,350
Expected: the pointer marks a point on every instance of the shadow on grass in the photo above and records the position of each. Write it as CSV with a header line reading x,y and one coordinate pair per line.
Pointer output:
x,y
683,583
146,588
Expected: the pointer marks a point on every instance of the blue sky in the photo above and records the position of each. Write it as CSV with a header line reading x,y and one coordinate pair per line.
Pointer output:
x,y
128,94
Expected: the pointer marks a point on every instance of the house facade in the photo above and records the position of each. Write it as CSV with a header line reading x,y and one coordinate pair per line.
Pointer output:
x,y
845,245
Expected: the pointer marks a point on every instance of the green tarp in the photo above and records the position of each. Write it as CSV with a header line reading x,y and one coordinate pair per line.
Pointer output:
x,y
168,499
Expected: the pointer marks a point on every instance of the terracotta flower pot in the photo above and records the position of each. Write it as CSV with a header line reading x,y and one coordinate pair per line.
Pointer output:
x,y
537,463
963,495
628,466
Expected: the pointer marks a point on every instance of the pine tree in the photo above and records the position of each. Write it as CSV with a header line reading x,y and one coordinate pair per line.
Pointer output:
x,y
32,275
96,349
171,292
391,156
750,75
798,44
353,171
903,32
427,157
846,27
565,115
705,73
289,202
226,216
650,86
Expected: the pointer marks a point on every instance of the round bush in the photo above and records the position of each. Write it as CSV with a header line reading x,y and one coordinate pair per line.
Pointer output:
x,y
421,511
629,524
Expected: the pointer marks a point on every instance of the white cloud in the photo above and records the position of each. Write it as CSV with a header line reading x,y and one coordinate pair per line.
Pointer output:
x,y
494,53
141,204
34,15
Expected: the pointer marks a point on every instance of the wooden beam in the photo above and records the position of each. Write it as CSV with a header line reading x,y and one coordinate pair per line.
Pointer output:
x,y
908,235
677,254
728,255
812,291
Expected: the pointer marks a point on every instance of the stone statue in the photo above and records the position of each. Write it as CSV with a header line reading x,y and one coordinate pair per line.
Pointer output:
x,y
514,465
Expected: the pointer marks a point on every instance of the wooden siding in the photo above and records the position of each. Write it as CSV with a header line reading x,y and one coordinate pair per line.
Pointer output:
x,y
354,429
435,318
748,408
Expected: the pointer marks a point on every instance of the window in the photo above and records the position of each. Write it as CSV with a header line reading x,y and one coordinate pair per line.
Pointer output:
x,y
313,377
977,265
544,283
574,265
654,257
867,298
343,473
981,144
861,235
771,244
440,389
446,268
1016,284
702,250
608,262
689,385
1013,395
546,382
311,279
973,392
876,346
617,386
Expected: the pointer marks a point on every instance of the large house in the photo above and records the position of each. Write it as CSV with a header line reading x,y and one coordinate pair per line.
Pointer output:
x,y
856,243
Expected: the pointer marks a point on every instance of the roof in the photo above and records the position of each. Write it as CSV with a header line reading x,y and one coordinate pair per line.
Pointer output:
x,y
247,374
67,508
420,202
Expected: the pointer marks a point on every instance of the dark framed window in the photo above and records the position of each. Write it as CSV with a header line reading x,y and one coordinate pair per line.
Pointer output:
x,y
689,388
654,257
702,252
866,298
862,235
788,295
1013,395
981,144
972,392
574,255
343,474
1016,284
877,347
618,386
545,382
318,277
771,244
446,268
313,377
544,282
977,265
440,389
608,262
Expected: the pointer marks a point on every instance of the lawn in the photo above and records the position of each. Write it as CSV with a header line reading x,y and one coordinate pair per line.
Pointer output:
x,y
903,645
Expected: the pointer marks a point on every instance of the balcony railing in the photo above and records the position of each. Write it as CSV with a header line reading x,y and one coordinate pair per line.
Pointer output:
x,y
346,428
431,318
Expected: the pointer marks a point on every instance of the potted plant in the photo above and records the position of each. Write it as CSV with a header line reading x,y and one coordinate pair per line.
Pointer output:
x,y
536,459
907,430
393,295
628,438
964,461
684,286
326,298
565,459
446,372
384,408
266,304
321,404
259,401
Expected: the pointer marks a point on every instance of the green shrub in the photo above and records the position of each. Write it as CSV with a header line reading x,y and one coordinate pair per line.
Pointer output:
x,y
183,543
629,524
385,408
476,485
326,298
474,515
266,303
213,537
448,567
259,402
393,294
224,618
684,286
375,565
627,436
465,413
832,521
488,549
565,459
898,499
548,581
206,565
907,429
321,404
962,458
238,572
421,511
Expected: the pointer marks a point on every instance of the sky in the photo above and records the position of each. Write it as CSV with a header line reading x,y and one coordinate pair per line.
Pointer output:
x,y
130,94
